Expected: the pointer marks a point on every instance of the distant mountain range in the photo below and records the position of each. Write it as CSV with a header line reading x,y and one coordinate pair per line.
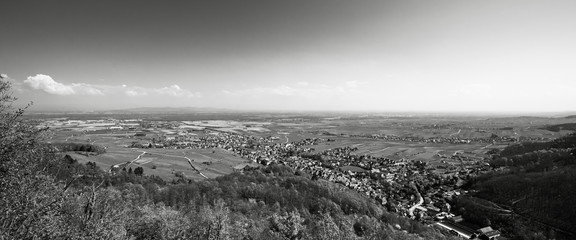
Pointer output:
x,y
141,110
170,110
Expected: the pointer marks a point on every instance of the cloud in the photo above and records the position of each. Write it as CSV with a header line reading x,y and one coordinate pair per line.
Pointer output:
x,y
282,90
175,91
135,93
352,84
47,84
300,89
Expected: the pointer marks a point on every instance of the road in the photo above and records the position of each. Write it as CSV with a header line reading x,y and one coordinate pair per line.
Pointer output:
x,y
381,150
139,156
456,152
126,164
68,138
187,159
420,202
486,146
459,130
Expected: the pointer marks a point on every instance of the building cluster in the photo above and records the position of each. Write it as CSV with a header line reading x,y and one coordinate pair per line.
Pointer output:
x,y
398,184
457,226
388,181
450,140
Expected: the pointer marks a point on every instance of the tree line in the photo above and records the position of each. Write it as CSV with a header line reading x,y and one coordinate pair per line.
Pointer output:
x,y
78,147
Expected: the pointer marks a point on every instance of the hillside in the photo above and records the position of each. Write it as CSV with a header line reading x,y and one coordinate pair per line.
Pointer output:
x,y
538,188
559,127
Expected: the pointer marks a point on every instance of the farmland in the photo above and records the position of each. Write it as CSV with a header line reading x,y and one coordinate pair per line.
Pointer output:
x,y
422,138
162,162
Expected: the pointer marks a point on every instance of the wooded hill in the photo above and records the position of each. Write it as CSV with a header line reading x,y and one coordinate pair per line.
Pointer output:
x,y
539,187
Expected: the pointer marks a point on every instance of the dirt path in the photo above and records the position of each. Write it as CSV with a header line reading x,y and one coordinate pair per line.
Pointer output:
x,y
137,158
486,146
187,159
68,138
459,130
381,150
126,164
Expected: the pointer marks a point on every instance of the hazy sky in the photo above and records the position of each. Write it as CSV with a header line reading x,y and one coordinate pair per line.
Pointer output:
x,y
497,56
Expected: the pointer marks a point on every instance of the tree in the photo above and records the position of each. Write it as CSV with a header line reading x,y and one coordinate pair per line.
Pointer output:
x,y
38,203
214,222
326,228
159,222
139,171
16,136
29,196
288,226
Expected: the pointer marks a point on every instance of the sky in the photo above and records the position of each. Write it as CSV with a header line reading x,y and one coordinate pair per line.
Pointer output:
x,y
297,55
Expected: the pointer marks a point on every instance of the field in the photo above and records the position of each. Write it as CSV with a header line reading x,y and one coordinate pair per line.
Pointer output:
x,y
346,130
165,163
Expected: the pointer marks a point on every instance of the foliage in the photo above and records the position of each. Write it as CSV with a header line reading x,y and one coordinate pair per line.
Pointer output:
x,y
568,141
536,191
79,147
29,198
139,171
559,127
288,225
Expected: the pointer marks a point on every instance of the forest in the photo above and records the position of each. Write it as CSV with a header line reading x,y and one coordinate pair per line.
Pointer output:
x,y
558,127
534,197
